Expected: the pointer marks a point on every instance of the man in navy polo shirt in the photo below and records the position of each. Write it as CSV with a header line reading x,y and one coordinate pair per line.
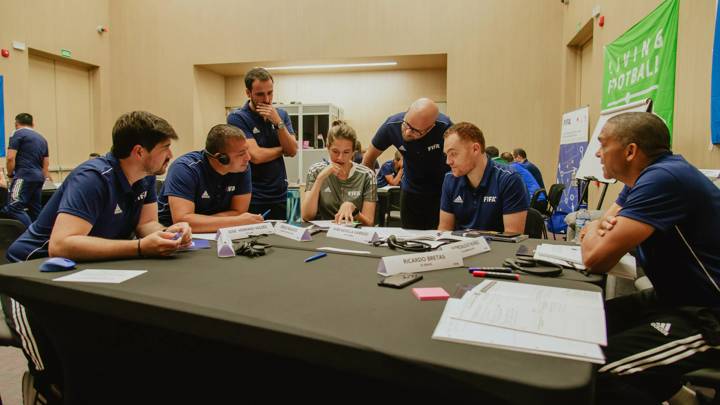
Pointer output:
x,y
391,172
27,164
210,189
94,214
671,213
270,136
479,193
520,156
418,135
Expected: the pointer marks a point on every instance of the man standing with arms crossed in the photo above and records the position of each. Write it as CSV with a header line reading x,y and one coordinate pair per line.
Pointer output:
x,y
418,135
27,165
270,136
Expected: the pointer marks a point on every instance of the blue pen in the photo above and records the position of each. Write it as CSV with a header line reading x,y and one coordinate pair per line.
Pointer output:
x,y
265,214
315,257
177,236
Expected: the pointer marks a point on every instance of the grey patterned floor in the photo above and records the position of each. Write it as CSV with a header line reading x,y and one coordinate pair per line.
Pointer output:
x,y
12,367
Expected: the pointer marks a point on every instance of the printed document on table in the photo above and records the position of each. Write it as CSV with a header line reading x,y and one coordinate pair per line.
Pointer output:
x,y
101,276
451,329
626,267
560,312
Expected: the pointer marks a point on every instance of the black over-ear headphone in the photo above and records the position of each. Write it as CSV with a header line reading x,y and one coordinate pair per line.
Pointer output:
x,y
222,158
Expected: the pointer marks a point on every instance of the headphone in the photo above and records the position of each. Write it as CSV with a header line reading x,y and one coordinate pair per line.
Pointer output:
x,y
408,245
222,158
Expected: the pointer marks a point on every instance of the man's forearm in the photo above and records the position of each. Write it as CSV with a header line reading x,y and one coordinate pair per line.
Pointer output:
x,y
90,248
264,155
146,229
287,142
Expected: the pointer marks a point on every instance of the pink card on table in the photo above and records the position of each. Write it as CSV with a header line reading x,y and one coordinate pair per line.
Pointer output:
x,y
427,294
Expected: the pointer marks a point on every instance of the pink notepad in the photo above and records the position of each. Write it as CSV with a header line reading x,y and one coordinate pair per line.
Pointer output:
x,y
427,294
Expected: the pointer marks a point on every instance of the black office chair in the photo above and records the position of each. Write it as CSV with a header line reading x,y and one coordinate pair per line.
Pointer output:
x,y
535,224
158,185
541,206
10,229
393,205
553,200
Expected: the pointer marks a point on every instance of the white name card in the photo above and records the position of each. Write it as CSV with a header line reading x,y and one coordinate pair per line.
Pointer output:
x,y
419,262
468,248
245,231
225,246
354,234
292,232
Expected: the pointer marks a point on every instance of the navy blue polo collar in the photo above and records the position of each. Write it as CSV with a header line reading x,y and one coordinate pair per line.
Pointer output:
x,y
119,174
209,169
484,182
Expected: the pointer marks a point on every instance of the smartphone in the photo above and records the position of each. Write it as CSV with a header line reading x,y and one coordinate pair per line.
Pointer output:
x,y
400,280
508,234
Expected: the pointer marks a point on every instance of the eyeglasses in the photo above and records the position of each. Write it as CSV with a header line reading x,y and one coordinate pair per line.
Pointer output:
x,y
419,132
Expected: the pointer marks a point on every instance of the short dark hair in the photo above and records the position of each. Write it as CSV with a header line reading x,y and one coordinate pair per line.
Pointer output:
x,y
339,129
646,130
258,73
139,128
218,136
467,132
94,155
507,156
492,151
519,152
24,119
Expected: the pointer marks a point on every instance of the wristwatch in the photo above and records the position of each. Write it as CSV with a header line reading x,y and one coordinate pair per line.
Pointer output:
x,y
280,125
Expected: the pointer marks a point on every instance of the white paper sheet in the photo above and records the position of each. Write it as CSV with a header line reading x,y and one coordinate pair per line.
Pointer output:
x,y
101,276
338,250
551,311
451,329
206,236
562,254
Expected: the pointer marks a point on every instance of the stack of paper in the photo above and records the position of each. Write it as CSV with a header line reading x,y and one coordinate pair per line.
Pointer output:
x,y
552,321
571,256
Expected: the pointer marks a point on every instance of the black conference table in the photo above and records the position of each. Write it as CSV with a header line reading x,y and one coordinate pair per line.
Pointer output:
x,y
237,327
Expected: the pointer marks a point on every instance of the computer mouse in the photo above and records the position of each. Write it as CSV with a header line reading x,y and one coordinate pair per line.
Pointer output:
x,y
57,264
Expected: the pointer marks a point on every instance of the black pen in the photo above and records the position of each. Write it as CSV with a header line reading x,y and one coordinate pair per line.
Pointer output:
x,y
492,274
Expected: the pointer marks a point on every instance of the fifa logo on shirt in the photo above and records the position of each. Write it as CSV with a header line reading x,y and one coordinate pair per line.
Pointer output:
x,y
142,196
490,198
354,193
433,147
230,188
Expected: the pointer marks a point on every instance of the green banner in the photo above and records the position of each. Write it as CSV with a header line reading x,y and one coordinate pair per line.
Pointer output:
x,y
640,64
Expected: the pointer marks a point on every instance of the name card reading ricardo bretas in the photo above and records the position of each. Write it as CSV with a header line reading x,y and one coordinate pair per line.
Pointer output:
x,y
468,248
361,235
419,262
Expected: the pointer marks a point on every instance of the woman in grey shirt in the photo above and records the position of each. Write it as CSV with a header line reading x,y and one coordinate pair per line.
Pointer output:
x,y
340,190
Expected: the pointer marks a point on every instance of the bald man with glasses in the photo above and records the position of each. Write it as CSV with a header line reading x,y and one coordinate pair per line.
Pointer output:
x,y
418,136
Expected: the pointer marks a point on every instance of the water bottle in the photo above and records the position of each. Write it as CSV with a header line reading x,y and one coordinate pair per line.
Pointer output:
x,y
582,217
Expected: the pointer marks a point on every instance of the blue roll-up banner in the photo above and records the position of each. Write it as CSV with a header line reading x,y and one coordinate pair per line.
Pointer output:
x,y
715,83
2,117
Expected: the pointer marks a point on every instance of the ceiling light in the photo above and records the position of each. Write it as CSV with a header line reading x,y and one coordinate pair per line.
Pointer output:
x,y
332,66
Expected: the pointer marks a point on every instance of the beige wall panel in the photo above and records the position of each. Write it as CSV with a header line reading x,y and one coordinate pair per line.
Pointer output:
x,y
691,132
209,106
48,26
367,98
74,118
503,56
41,103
